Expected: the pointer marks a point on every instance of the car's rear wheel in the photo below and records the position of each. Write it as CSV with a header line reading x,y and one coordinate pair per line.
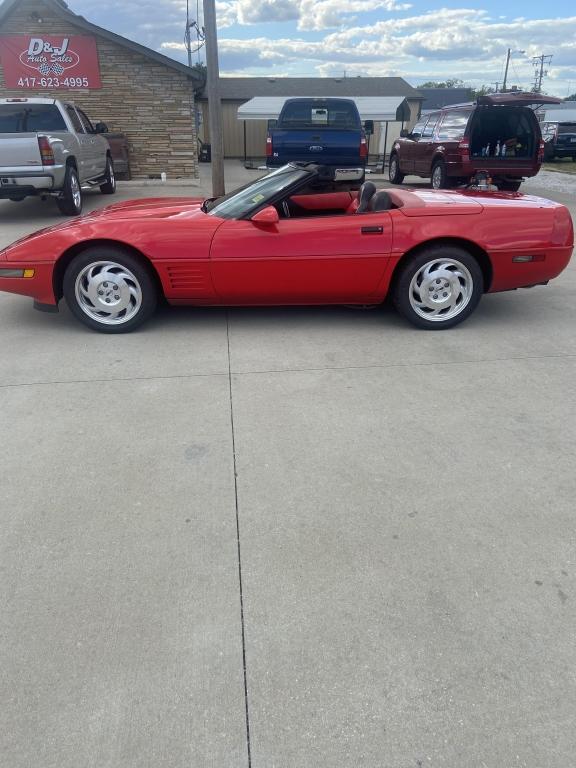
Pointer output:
x,y
70,200
109,185
438,287
394,174
109,290
439,176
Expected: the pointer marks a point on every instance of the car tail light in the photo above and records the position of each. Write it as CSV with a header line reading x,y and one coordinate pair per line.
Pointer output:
x,y
363,147
541,152
562,229
46,151
268,146
464,149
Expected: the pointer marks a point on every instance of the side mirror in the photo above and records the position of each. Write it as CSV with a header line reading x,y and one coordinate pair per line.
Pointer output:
x,y
272,124
268,215
101,128
404,133
369,127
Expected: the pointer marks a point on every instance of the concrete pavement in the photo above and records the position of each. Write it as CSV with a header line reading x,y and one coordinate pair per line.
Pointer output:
x,y
354,536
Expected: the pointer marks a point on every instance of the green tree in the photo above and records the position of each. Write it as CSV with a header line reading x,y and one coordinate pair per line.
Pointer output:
x,y
200,70
572,97
450,83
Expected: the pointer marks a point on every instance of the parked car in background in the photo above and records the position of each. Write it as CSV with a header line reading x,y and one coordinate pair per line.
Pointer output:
x,y
49,147
559,138
498,134
327,131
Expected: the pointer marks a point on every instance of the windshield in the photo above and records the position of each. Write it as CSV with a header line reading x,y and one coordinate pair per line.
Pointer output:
x,y
241,202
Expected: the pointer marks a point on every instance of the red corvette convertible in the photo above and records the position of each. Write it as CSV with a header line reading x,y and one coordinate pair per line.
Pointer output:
x,y
295,236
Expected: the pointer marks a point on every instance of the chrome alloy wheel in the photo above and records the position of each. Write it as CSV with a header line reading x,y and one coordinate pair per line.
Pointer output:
x,y
75,190
441,289
108,292
393,168
437,177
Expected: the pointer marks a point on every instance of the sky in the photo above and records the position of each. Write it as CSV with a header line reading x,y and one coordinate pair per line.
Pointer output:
x,y
419,40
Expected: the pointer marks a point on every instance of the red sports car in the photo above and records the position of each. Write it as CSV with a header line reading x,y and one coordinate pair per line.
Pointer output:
x,y
299,235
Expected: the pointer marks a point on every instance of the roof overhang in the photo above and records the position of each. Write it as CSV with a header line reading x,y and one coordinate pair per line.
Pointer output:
x,y
560,116
381,109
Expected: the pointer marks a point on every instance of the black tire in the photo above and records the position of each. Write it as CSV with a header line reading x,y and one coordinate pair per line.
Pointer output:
x,y
439,178
16,199
109,186
510,186
394,174
70,200
122,278
409,287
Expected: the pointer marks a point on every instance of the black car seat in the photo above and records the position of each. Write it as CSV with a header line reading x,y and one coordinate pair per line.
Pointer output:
x,y
365,194
381,201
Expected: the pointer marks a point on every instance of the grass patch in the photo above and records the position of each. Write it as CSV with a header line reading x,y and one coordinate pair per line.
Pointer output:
x,y
564,165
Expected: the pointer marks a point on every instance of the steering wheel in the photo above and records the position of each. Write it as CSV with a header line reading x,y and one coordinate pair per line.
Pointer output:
x,y
285,209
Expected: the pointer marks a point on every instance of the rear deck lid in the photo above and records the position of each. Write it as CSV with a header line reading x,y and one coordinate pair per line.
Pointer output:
x,y
431,202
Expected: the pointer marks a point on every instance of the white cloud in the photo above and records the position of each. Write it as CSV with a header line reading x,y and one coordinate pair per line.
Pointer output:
x,y
309,14
335,35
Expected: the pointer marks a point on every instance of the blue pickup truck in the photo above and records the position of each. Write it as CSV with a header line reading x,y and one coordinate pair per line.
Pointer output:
x,y
326,131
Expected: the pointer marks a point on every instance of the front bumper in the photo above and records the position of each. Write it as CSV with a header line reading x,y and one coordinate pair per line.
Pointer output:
x,y
38,284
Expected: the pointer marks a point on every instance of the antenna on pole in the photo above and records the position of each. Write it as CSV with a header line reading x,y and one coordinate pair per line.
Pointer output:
x,y
200,35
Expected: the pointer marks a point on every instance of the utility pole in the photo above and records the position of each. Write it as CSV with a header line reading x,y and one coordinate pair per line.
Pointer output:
x,y
509,55
506,70
540,62
213,92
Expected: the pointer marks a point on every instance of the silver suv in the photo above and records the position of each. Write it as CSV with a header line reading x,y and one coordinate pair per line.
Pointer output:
x,y
49,147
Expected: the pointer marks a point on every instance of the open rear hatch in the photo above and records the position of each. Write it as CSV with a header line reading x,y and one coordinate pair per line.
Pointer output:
x,y
517,99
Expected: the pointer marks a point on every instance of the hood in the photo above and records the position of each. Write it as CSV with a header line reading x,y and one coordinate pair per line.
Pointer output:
x,y
130,211
146,208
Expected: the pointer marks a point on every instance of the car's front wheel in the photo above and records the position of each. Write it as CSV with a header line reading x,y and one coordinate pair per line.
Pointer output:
x,y
109,185
438,287
109,290
394,174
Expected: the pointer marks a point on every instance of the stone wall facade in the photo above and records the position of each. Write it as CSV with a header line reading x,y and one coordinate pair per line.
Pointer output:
x,y
151,103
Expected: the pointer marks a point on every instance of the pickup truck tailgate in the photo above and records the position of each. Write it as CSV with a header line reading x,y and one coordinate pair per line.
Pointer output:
x,y
19,150
330,146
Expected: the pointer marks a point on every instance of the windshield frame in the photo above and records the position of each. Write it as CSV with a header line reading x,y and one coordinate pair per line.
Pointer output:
x,y
299,174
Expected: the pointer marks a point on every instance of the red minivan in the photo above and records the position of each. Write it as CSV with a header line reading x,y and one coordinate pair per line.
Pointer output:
x,y
499,134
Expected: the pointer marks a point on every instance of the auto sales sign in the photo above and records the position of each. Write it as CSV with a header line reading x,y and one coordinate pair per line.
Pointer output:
x,y
53,62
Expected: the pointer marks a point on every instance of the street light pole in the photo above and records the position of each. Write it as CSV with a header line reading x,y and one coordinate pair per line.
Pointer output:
x,y
213,92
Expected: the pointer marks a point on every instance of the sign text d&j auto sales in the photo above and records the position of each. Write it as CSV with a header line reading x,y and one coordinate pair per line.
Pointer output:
x,y
51,62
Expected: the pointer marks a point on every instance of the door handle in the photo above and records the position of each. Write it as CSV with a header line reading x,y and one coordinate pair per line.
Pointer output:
x,y
372,230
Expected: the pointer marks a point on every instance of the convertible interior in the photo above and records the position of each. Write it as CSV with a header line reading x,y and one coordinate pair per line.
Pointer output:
x,y
313,202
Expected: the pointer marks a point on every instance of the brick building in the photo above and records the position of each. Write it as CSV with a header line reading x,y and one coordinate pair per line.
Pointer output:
x,y
135,90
